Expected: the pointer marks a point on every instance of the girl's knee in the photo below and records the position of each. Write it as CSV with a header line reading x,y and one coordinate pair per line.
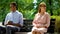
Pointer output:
x,y
34,32
40,32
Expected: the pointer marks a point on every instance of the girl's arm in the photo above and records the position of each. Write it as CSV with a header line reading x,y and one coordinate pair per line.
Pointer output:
x,y
47,21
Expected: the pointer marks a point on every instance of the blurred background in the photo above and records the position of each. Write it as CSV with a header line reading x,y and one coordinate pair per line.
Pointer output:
x,y
30,7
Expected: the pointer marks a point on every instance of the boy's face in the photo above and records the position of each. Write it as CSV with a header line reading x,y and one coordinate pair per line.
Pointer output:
x,y
12,8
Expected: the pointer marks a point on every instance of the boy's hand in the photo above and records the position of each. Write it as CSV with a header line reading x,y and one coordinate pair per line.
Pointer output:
x,y
10,23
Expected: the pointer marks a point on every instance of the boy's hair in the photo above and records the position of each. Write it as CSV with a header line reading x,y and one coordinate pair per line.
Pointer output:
x,y
13,3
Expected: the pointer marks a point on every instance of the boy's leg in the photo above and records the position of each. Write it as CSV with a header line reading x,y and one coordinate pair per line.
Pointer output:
x,y
2,30
11,30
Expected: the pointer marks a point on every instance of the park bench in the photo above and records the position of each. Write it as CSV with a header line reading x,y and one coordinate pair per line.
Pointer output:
x,y
28,26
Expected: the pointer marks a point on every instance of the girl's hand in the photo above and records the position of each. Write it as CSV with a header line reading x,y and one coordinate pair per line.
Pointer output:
x,y
38,26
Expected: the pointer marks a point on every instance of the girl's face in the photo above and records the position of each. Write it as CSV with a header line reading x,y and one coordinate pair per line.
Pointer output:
x,y
43,8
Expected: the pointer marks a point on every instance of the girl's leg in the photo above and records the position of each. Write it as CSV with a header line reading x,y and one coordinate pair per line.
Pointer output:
x,y
41,32
34,32
38,32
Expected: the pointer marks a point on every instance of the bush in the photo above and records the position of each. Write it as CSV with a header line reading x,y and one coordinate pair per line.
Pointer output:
x,y
57,24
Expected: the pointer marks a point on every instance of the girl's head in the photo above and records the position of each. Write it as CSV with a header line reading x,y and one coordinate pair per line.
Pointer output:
x,y
42,7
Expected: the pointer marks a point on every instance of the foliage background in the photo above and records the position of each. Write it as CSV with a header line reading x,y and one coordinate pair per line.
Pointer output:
x,y
26,7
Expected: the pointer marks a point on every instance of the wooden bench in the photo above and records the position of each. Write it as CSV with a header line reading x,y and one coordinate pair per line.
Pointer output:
x,y
28,26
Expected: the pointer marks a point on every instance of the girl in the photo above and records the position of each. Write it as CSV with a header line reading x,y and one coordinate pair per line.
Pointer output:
x,y
41,21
